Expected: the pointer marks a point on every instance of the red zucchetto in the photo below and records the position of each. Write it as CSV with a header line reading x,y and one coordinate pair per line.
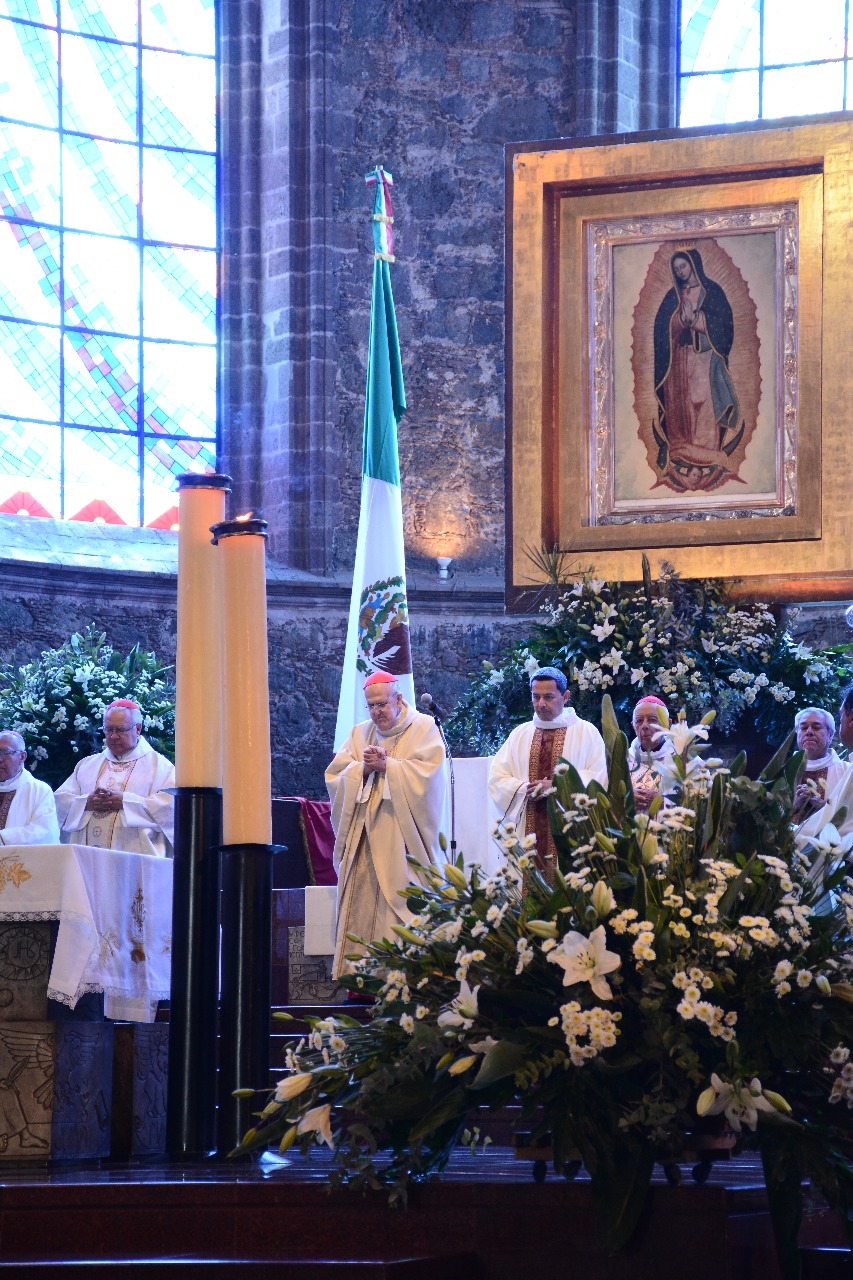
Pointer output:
x,y
380,677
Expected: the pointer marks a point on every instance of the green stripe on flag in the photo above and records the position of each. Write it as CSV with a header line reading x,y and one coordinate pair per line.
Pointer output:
x,y
385,401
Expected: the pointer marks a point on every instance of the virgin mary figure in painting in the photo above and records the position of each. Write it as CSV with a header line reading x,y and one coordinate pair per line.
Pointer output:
x,y
698,423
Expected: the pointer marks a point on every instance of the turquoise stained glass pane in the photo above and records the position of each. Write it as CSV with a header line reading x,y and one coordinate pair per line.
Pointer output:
x,y
101,476
820,86
29,173
99,88
29,371
179,294
101,283
29,280
188,26
43,11
113,18
179,197
798,32
165,460
719,35
180,389
100,184
178,100
721,99
29,81
101,378
30,480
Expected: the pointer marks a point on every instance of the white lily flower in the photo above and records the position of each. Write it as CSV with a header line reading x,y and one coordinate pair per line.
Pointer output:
x,y
682,735
292,1086
318,1120
586,960
463,1008
740,1103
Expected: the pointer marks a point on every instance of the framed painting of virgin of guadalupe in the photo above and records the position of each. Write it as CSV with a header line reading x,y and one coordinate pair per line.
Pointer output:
x,y
678,346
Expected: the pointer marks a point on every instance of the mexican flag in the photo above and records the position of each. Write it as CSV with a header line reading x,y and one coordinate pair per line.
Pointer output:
x,y
378,629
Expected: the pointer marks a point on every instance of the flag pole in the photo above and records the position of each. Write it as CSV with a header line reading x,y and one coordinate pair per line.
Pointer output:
x,y
378,627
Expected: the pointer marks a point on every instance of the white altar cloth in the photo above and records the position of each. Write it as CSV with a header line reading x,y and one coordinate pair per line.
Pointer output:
x,y
115,921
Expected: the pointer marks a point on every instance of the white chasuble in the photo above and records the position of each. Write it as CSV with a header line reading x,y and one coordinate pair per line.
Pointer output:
x,y
145,821
509,774
32,814
378,820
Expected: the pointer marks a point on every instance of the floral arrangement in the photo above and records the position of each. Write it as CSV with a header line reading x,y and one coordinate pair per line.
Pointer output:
x,y
684,641
685,967
58,701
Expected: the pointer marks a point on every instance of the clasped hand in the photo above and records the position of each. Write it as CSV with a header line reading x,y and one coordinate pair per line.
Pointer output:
x,y
374,760
102,801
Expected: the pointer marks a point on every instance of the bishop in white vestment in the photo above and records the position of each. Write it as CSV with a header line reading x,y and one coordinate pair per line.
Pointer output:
x,y
524,766
648,751
387,788
118,799
27,811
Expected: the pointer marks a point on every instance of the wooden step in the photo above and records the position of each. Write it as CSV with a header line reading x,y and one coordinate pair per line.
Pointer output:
x,y
827,1263
441,1267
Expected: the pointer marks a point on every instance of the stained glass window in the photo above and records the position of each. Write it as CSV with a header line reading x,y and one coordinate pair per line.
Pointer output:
x,y
107,255
763,59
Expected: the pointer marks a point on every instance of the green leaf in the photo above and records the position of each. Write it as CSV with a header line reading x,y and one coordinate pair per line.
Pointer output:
x,y
783,1177
777,764
501,1060
452,1106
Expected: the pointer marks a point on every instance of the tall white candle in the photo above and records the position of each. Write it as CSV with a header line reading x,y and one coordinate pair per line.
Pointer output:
x,y
246,786
198,668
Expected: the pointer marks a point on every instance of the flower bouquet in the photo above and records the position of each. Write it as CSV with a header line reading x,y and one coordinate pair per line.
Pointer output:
x,y
684,641
57,702
688,963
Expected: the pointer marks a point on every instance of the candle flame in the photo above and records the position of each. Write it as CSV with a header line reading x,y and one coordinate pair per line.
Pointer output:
x,y
246,515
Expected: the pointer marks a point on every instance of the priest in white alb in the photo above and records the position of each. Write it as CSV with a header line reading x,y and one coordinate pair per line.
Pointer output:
x,y
387,788
27,811
119,798
649,750
523,767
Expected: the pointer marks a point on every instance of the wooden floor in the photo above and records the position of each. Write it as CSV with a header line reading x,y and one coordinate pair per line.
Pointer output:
x,y
484,1219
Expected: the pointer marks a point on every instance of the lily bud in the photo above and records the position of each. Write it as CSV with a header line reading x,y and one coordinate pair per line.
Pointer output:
x,y
443,1061
442,842
542,928
288,1139
407,935
776,1100
709,717
242,1093
603,899
604,842
843,990
755,1087
455,875
447,891
462,1064
705,1100
822,983
648,848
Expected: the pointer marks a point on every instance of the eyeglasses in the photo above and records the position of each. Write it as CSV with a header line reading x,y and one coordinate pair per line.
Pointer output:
x,y
7,751
112,729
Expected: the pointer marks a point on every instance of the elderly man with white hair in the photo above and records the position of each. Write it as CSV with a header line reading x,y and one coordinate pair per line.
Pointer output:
x,y
824,768
119,798
27,811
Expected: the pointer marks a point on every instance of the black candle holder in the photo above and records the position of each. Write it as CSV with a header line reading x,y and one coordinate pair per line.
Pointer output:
x,y
191,1091
244,1043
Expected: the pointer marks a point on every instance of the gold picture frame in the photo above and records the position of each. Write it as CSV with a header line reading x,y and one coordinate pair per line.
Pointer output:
x,y
599,463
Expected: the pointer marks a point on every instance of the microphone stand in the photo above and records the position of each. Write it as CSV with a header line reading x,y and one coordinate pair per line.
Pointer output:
x,y
437,718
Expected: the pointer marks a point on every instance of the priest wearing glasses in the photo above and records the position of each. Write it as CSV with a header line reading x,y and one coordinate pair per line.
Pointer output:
x,y
387,788
27,811
118,799
522,769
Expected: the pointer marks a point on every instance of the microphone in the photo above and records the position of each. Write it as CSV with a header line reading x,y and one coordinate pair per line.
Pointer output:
x,y
432,708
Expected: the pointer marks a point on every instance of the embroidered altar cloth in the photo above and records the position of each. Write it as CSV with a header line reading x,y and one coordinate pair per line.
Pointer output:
x,y
115,921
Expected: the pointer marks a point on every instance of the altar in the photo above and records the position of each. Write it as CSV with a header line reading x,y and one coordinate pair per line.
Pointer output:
x,y
68,1078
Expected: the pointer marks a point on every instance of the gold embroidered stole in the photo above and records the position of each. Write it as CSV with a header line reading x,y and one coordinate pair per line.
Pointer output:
x,y
6,798
116,775
545,751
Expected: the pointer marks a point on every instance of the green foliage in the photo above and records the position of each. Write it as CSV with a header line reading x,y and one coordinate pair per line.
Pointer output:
x,y
684,641
58,701
686,967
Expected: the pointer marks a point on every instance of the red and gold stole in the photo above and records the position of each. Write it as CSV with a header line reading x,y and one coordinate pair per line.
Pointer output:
x,y
545,751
